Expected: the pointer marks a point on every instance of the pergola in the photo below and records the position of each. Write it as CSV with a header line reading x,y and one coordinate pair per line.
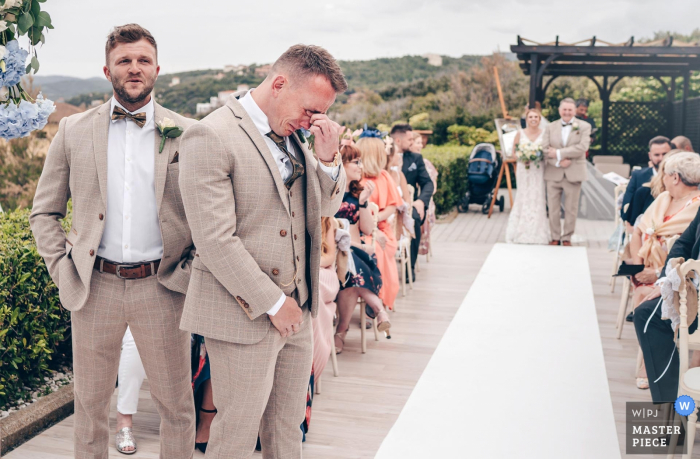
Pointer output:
x,y
594,58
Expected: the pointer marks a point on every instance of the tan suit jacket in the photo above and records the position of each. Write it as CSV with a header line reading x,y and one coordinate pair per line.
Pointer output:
x,y
238,210
76,166
575,149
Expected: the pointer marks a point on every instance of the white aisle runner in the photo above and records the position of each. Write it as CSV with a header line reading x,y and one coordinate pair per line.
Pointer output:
x,y
519,372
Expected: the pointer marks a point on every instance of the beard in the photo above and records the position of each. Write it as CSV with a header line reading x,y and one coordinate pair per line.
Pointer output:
x,y
120,91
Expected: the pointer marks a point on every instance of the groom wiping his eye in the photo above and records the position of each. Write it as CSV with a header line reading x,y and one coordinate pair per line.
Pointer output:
x,y
254,195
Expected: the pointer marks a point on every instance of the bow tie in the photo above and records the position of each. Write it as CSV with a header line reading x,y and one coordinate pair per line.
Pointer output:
x,y
565,124
119,114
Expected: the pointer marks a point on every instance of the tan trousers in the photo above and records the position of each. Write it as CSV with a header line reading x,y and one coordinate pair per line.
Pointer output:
x,y
572,192
153,315
260,388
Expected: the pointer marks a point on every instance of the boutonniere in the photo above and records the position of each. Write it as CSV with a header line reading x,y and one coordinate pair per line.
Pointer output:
x,y
167,129
303,133
574,127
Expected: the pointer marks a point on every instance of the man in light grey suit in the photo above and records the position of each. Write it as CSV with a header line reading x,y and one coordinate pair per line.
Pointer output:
x,y
564,144
126,259
254,195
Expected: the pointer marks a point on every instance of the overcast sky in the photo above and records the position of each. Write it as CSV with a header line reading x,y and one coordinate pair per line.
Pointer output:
x,y
211,33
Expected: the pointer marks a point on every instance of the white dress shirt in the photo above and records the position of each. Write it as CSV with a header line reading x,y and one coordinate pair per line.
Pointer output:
x,y
132,229
284,165
565,131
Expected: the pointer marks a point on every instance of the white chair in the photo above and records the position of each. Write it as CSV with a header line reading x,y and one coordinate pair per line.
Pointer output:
x,y
619,189
689,378
403,254
621,169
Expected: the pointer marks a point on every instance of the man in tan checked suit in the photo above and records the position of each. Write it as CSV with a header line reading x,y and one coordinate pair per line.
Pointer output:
x,y
126,259
565,143
254,195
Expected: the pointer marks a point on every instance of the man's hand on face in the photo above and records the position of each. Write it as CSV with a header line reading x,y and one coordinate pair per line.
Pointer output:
x,y
326,133
288,319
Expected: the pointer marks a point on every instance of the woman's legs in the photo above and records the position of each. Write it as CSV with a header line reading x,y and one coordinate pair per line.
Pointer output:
x,y
347,300
375,303
131,376
205,419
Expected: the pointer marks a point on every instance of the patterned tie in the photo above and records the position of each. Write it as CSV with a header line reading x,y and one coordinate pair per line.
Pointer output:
x,y
119,114
297,166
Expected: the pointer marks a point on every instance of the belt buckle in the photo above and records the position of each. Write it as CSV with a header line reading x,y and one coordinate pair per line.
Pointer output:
x,y
119,267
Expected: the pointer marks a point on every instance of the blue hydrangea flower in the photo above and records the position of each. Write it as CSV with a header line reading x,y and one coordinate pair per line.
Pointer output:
x,y
20,120
15,64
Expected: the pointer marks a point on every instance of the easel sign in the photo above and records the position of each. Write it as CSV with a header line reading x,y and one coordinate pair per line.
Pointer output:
x,y
507,130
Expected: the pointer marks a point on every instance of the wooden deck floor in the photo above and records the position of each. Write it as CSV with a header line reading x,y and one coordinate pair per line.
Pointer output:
x,y
355,411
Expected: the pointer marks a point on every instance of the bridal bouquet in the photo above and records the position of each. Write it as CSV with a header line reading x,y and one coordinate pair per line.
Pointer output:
x,y
530,153
20,113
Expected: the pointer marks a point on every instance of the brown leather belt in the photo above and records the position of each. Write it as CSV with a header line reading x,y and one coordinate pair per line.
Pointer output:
x,y
127,270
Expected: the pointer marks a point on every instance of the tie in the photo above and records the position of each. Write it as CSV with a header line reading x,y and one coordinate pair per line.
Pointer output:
x,y
119,114
298,167
563,124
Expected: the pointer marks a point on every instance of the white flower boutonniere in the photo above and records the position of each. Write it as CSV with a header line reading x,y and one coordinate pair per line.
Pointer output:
x,y
167,129
574,127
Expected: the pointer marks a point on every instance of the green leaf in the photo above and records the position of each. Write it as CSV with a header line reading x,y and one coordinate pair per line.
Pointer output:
x,y
35,8
28,69
42,19
25,23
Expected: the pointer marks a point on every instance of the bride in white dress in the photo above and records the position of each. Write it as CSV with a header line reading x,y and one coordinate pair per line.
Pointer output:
x,y
528,222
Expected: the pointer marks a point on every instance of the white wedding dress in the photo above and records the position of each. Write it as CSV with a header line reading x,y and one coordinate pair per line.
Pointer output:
x,y
527,223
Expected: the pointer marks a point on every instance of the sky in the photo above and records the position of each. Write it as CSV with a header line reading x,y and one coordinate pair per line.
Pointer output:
x,y
205,34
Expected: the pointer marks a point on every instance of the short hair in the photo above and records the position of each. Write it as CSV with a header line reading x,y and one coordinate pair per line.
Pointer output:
x,y
661,140
373,152
349,153
682,142
657,183
687,166
129,33
400,129
581,102
310,60
567,100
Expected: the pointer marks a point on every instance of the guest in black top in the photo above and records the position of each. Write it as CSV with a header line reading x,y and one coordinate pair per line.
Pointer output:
x,y
658,147
417,176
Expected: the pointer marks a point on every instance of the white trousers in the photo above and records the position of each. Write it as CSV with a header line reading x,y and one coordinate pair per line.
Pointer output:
x,y
131,376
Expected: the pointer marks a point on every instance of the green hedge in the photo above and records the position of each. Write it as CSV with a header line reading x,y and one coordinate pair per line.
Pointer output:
x,y
451,162
34,329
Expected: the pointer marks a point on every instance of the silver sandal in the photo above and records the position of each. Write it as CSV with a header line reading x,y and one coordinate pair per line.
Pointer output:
x,y
124,439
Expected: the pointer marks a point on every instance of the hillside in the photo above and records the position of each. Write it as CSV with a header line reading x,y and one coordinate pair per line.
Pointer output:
x,y
56,87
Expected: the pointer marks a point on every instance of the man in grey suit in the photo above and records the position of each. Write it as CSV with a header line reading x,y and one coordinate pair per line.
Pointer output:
x,y
564,144
254,195
126,259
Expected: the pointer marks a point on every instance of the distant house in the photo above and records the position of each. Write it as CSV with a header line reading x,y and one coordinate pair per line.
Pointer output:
x,y
237,69
203,109
224,96
434,59
63,110
219,76
175,81
263,70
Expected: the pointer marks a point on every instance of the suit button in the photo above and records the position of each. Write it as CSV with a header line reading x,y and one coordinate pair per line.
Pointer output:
x,y
291,193
275,271
239,299
337,191
92,252
297,257
298,281
102,217
283,233
292,214
295,237
246,305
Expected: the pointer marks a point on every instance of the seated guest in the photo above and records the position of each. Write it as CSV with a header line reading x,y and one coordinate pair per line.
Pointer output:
x,y
646,194
416,176
366,280
683,143
394,162
386,196
658,147
668,216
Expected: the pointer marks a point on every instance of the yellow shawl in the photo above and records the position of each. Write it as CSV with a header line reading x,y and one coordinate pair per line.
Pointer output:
x,y
654,228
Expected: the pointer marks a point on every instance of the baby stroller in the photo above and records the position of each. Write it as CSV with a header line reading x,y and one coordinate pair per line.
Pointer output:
x,y
482,174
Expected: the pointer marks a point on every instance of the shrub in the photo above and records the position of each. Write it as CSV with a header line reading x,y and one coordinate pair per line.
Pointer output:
x,y
470,135
34,328
451,162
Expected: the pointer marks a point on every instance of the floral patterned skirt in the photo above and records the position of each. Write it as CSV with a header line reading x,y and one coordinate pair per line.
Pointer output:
x,y
368,275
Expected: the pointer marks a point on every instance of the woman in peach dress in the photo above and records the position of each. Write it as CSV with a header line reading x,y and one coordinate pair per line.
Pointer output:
x,y
387,198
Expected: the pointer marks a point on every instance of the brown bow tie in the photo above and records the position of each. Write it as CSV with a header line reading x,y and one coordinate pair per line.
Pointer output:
x,y
297,166
119,114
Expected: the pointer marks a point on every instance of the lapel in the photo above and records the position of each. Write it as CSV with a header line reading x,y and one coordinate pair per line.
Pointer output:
x,y
246,123
558,134
313,197
100,135
161,159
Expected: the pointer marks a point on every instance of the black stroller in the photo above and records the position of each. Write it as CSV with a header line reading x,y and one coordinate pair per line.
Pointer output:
x,y
482,174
